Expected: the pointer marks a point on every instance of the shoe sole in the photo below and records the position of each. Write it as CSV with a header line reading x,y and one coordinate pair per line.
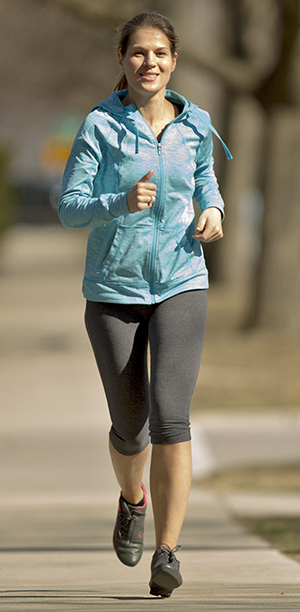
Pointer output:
x,y
163,582
159,591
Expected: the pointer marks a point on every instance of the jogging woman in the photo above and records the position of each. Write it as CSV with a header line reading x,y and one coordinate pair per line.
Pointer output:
x,y
137,163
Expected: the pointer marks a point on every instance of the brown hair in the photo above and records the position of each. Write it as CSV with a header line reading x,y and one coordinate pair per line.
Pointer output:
x,y
144,20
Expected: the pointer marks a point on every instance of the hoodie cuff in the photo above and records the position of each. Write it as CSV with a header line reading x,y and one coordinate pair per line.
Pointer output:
x,y
220,208
118,206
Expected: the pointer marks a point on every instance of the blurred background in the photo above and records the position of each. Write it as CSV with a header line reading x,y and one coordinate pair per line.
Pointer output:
x,y
240,60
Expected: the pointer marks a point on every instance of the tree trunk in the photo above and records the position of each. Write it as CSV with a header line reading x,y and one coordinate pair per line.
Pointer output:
x,y
242,193
277,303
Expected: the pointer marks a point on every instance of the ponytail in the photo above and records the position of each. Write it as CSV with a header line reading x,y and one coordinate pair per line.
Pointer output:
x,y
121,83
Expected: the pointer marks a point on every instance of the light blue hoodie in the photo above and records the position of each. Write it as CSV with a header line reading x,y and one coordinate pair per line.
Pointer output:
x,y
150,255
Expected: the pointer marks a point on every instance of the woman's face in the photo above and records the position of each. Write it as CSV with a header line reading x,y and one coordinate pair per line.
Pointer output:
x,y
148,62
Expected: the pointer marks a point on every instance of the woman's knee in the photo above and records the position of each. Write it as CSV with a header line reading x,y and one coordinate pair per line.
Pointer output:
x,y
170,432
129,444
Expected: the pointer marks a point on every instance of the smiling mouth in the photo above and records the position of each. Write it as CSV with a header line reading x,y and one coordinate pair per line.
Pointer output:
x,y
149,75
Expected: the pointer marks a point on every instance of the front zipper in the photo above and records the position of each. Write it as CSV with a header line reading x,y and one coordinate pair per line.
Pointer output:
x,y
155,227
156,216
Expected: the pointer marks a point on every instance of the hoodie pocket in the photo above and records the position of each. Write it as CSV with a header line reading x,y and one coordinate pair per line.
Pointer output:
x,y
178,257
127,261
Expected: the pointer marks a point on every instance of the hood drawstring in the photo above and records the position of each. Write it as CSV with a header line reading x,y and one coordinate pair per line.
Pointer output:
x,y
211,127
133,121
228,153
137,148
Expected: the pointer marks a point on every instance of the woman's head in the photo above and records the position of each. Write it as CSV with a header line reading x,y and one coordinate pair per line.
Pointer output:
x,y
144,20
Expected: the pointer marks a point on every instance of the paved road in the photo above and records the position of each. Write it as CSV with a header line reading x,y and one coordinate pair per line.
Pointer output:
x,y
58,495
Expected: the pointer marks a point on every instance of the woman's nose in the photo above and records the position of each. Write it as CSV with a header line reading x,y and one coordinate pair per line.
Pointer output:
x,y
149,59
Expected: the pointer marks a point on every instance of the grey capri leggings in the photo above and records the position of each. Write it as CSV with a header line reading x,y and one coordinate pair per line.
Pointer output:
x,y
119,334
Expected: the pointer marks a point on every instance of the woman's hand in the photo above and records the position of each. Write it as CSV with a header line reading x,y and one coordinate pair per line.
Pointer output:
x,y
142,194
209,226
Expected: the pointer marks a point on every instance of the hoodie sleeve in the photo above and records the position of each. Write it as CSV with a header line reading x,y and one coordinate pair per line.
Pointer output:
x,y
207,192
77,206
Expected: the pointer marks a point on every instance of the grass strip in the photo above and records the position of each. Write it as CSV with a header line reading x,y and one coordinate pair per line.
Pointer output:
x,y
263,479
282,532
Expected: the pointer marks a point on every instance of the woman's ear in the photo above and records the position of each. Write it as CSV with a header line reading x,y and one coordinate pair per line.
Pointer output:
x,y
174,61
120,59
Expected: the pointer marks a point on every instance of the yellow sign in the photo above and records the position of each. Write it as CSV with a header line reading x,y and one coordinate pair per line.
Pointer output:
x,y
56,147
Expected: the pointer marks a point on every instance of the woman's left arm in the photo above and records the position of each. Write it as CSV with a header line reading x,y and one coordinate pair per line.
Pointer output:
x,y
207,194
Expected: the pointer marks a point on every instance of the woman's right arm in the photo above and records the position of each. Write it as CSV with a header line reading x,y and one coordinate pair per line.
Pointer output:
x,y
77,206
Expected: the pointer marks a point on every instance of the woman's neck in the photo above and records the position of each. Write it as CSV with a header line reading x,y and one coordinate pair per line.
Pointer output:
x,y
156,110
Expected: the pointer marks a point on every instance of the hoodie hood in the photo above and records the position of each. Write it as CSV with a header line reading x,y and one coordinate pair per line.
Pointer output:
x,y
190,112
113,104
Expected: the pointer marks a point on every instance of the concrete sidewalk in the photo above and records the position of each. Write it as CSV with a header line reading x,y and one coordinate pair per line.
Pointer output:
x,y
59,556
58,495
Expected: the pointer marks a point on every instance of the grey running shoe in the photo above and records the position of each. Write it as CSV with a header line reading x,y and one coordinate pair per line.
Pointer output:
x,y
165,572
128,538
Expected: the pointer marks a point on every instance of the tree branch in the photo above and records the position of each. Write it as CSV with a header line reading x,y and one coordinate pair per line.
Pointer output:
x,y
93,11
235,73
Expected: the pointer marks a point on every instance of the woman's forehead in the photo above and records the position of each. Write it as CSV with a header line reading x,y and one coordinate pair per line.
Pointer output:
x,y
149,36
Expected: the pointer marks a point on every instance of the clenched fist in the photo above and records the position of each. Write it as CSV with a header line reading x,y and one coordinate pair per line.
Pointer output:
x,y
209,227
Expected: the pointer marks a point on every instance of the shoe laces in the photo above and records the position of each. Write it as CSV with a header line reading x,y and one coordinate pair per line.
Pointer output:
x,y
127,523
170,552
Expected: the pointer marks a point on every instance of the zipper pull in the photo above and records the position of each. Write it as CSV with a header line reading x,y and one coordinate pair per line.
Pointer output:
x,y
159,148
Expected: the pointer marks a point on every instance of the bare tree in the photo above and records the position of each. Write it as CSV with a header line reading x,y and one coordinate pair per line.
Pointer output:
x,y
270,77
277,294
